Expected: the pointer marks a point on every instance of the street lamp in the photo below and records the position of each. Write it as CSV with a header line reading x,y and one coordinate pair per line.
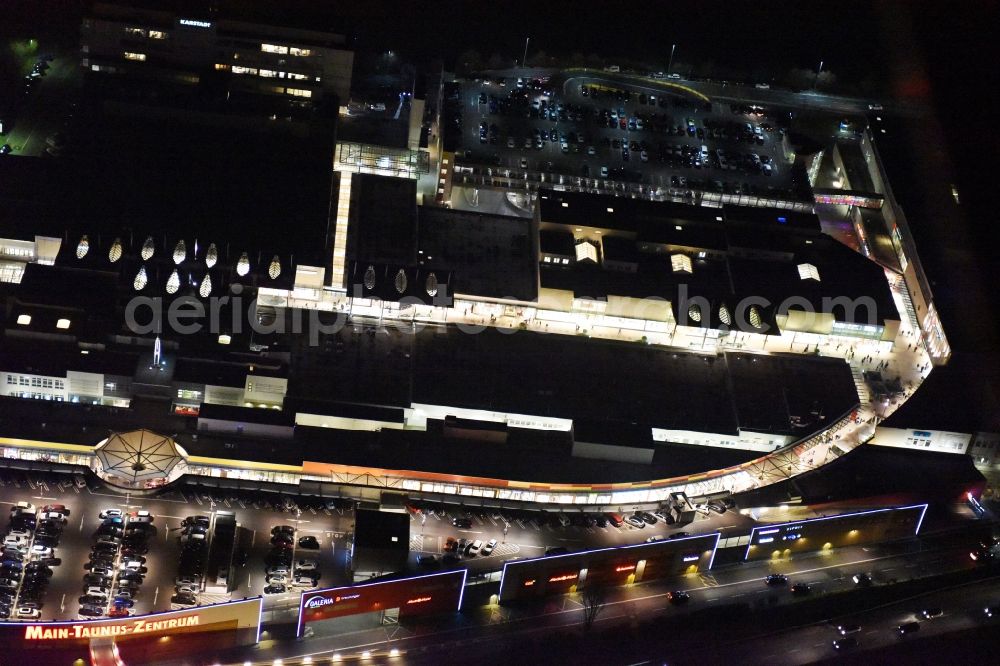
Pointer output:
x,y
818,71
670,64
524,60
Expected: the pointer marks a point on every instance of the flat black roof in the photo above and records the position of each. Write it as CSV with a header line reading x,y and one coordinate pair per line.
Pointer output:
x,y
488,255
383,214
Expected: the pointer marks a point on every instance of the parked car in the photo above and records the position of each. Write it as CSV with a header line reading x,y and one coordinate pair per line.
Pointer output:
x,y
309,542
488,548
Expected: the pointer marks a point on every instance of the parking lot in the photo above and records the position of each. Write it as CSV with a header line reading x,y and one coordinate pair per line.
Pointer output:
x,y
285,538
601,136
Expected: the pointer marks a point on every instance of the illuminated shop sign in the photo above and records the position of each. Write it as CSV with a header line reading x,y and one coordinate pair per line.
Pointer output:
x,y
38,632
769,531
690,558
557,579
529,583
418,600
317,602
765,540
625,567
195,24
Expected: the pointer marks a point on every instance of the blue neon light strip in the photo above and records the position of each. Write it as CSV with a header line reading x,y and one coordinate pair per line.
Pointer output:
x,y
768,528
316,593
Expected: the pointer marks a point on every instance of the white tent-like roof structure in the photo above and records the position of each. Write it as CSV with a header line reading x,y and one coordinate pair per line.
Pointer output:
x,y
139,459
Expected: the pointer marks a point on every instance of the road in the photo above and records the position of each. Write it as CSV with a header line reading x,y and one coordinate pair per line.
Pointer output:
x,y
500,634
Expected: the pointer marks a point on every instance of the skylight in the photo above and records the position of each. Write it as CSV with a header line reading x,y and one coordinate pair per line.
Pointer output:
x,y
82,248
115,253
586,250
173,282
62,324
212,255
140,279
23,319
243,265
724,315
148,248
180,251
400,281
369,278
274,269
431,285
681,263
755,317
206,286
808,272
694,314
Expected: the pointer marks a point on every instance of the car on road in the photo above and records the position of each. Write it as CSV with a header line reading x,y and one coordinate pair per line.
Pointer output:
x,y
309,542
931,613
678,597
801,589
5,149
908,628
990,611
845,629
862,579
776,579
848,643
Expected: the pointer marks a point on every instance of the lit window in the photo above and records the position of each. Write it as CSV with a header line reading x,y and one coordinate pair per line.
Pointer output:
x,y
565,205
611,210
681,263
135,32
274,269
180,251
547,259
302,53
131,55
268,73
206,287
808,272
678,227
239,69
274,48
62,324
755,317
224,339
298,92
565,261
694,313
219,66
24,319
297,77
173,282
115,253
147,249
82,248
212,255
431,285
243,265
157,34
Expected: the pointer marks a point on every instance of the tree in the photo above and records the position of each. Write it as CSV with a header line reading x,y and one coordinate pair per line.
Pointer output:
x,y
592,598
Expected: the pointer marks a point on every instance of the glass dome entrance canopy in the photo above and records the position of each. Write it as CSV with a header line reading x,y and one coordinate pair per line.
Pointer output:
x,y
139,459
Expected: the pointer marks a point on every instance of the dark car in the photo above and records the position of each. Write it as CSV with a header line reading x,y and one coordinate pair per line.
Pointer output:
x,y
931,613
308,542
5,149
558,550
908,628
862,579
776,579
275,589
184,598
678,597
90,599
92,611
464,523
282,529
801,589
428,560
847,643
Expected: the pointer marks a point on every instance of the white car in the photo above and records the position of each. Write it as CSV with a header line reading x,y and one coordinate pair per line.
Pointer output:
x,y
276,579
488,548
20,532
96,591
111,513
474,547
27,613
40,551
54,516
22,507
190,589
304,565
141,517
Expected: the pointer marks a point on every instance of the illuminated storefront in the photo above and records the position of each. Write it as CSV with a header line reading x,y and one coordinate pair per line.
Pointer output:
x,y
820,534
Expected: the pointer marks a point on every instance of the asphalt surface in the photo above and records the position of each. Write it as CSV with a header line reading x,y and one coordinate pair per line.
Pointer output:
x,y
331,527
522,634
550,164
